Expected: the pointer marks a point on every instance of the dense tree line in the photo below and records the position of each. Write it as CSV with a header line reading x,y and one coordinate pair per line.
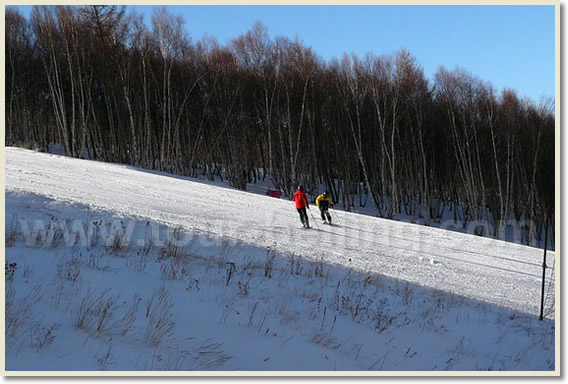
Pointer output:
x,y
105,85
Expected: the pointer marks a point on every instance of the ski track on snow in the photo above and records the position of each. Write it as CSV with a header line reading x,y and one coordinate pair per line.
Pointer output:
x,y
489,270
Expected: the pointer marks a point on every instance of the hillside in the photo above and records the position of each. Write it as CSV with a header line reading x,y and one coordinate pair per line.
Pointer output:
x,y
364,294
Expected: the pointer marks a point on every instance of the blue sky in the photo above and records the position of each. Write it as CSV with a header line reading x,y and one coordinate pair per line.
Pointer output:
x,y
510,46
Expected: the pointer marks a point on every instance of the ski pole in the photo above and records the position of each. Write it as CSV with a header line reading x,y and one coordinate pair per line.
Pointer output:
x,y
313,220
335,216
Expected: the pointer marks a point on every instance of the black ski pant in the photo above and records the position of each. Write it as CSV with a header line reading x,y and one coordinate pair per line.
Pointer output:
x,y
324,210
303,216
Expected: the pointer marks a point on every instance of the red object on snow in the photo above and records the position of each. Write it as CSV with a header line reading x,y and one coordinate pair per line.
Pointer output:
x,y
274,193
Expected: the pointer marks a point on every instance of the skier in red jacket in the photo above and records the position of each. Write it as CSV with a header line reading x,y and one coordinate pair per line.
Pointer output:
x,y
301,205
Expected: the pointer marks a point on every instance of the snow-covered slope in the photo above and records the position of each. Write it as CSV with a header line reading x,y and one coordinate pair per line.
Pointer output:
x,y
491,271
209,305
114,268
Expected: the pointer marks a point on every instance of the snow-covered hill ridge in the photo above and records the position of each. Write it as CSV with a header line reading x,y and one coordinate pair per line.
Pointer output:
x,y
492,271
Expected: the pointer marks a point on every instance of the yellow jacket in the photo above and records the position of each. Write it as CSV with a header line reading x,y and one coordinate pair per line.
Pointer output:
x,y
322,197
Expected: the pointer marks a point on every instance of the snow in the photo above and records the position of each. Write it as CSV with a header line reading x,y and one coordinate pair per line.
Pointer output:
x,y
489,270
363,294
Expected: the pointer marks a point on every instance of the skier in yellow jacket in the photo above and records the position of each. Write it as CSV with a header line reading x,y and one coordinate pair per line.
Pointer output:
x,y
323,201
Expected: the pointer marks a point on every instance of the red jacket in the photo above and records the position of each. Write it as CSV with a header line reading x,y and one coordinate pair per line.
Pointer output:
x,y
300,199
